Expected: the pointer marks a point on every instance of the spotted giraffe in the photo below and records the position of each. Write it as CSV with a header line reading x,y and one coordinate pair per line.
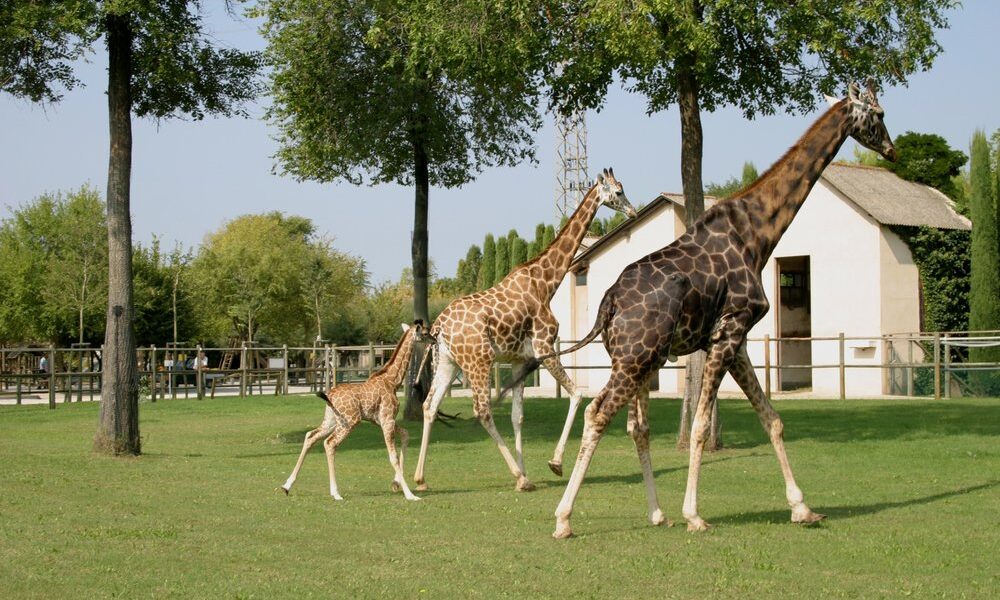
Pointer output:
x,y
374,401
512,321
704,292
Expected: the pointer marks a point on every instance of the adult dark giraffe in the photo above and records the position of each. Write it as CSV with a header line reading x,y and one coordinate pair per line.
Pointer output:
x,y
512,321
704,292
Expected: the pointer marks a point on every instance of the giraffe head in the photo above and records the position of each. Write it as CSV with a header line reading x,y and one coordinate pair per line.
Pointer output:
x,y
419,330
611,193
867,121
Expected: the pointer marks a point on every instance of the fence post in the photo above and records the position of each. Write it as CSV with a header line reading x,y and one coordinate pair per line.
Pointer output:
x,y
243,371
937,365
18,388
52,377
327,367
909,369
199,376
284,374
767,367
153,375
946,352
496,378
559,387
843,368
371,359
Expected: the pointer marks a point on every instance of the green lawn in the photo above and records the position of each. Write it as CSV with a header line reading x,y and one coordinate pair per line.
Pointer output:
x,y
912,490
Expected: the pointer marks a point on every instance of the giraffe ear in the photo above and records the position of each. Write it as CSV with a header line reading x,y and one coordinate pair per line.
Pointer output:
x,y
831,100
405,327
852,92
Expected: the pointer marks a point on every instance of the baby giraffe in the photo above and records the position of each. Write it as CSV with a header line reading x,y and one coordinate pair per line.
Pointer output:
x,y
374,401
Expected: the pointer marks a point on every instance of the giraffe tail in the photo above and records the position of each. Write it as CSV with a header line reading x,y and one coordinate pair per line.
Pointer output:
x,y
325,398
603,317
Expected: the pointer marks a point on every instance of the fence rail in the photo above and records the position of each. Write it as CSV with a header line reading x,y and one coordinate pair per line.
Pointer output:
x,y
913,364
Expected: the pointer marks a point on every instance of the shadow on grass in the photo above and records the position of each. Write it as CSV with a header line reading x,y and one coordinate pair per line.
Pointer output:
x,y
816,420
852,511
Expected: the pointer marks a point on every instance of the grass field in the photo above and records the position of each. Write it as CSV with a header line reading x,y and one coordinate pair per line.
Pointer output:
x,y
911,488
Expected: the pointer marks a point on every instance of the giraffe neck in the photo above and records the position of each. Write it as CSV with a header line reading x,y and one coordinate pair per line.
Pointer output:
x,y
556,259
773,201
393,371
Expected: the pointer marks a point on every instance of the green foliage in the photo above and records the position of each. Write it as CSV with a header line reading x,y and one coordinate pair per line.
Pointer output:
x,y
984,292
942,258
518,252
733,185
550,235
928,159
268,277
155,275
795,48
502,265
53,269
487,270
468,270
357,84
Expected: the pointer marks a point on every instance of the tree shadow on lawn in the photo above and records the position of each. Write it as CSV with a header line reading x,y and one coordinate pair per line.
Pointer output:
x,y
851,511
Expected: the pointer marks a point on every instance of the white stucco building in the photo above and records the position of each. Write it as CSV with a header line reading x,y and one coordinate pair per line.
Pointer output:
x,y
839,268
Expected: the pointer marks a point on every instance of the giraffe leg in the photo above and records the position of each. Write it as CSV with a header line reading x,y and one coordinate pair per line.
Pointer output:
x,y
311,438
330,445
542,346
480,379
443,374
720,357
598,414
638,429
517,418
742,372
389,432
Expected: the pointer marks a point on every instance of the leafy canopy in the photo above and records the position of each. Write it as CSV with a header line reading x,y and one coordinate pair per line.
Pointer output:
x,y
357,84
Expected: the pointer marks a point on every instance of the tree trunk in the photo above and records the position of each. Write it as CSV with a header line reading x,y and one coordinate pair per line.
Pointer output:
x,y
419,382
118,429
694,204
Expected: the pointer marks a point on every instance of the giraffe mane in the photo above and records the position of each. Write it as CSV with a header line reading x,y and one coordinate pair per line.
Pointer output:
x,y
769,174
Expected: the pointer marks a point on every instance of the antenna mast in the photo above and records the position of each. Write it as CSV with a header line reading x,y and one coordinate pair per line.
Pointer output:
x,y
571,162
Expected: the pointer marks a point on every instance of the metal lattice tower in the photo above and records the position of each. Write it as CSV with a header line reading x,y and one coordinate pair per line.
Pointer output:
x,y
571,162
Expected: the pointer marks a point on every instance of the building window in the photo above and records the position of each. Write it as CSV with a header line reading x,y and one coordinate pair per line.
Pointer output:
x,y
581,278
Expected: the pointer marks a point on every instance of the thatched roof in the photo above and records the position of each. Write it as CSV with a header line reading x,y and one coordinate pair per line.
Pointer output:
x,y
891,200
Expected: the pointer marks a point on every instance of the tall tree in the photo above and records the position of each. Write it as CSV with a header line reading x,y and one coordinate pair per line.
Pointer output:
x,y
469,270
53,269
928,159
488,266
333,280
503,260
161,64
416,93
695,53
984,291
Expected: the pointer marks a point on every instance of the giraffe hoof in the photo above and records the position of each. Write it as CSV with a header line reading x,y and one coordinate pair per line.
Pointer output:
x,y
562,532
421,487
284,489
413,498
808,517
697,524
523,485
657,519
395,487
555,467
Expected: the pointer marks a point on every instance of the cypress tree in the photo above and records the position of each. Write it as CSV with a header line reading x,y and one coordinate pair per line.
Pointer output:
x,y
984,289
532,250
468,278
518,253
487,267
539,237
550,234
502,261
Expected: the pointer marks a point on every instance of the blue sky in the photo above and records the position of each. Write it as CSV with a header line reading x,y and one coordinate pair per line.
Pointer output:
x,y
189,178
